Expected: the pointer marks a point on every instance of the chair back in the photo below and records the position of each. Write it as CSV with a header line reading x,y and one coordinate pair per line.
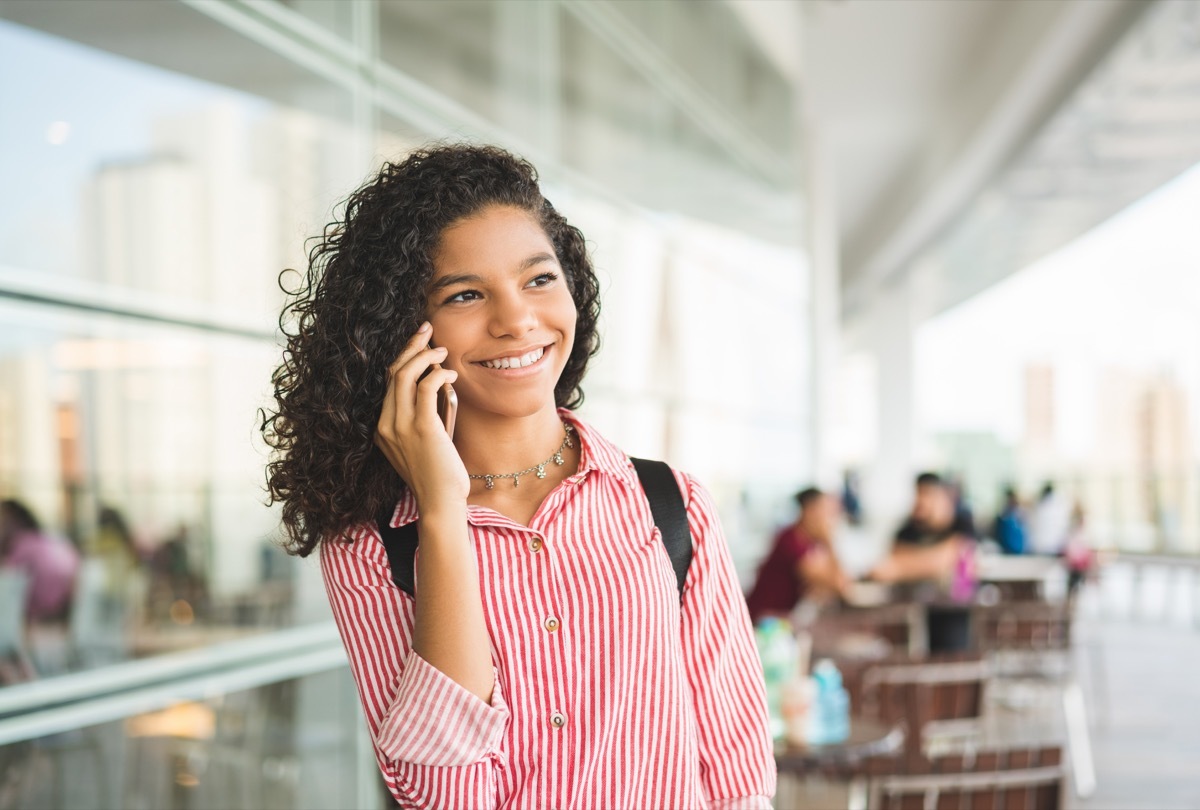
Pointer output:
x,y
900,625
921,693
1030,626
1011,779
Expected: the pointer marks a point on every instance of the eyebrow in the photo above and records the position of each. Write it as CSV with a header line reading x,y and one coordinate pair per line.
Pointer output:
x,y
472,278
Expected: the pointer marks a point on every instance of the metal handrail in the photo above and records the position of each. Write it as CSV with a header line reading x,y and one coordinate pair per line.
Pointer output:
x,y
216,664
108,708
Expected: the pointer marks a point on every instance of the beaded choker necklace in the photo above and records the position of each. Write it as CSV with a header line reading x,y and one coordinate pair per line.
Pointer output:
x,y
489,479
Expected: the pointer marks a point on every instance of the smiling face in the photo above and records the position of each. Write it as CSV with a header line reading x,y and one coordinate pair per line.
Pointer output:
x,y
500,305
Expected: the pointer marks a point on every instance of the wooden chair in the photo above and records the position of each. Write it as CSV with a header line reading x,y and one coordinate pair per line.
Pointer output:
x,y
1012,779
900,625
931,697
1032,640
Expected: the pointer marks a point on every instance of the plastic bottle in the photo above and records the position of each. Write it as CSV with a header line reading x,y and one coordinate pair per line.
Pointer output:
x,y
797,704
829,715
778,653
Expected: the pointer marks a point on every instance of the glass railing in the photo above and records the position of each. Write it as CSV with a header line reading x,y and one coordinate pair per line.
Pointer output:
x,y
268,723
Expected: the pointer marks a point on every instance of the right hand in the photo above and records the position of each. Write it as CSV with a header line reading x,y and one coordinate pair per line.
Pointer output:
x,y
410,433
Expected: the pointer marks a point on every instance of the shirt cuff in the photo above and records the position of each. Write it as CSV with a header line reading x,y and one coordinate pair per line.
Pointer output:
x,y
435,721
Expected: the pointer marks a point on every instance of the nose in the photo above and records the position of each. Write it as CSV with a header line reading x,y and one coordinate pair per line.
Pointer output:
x,y
512,315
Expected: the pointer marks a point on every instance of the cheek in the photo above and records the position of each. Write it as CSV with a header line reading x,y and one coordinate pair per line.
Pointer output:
x,y
567,316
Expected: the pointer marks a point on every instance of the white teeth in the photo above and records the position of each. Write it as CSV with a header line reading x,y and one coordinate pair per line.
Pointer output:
x,y
516,362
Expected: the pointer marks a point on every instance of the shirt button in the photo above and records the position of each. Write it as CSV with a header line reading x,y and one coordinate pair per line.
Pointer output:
x,y
557,720
552,624
535,545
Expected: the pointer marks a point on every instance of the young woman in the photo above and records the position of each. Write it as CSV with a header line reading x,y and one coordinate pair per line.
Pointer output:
x,y
546,660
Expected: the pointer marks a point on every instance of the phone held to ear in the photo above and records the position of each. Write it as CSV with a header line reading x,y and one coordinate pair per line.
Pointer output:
x,y
447,407
447,403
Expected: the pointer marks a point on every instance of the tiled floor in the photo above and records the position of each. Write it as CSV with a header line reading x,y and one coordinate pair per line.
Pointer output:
x,y
1146,714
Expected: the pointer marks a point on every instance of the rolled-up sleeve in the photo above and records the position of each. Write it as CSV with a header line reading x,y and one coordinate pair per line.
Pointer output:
x,y
737,762
437,744
435,721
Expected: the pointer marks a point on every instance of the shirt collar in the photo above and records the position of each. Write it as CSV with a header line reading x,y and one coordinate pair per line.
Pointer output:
x,y
596,454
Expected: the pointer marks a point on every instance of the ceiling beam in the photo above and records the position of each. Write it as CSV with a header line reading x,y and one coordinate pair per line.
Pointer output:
x,y
1069,48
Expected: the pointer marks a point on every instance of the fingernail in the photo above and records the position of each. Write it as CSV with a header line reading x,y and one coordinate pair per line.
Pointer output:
x,y
424,327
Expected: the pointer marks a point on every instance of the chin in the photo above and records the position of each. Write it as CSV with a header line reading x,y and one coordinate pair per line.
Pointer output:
x,y
517,406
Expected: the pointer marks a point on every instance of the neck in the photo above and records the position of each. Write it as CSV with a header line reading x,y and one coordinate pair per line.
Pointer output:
x,y
490,443
810,529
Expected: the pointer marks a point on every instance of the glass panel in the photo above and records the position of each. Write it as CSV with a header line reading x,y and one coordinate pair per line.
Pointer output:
x,y
292,745
618,125
138,445
448,45
332,15
138,177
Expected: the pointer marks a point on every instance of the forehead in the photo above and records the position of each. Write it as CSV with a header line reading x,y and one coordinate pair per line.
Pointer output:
x,y
496,238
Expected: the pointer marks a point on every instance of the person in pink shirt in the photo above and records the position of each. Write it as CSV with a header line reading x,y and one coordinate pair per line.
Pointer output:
x,y
548,654
50,562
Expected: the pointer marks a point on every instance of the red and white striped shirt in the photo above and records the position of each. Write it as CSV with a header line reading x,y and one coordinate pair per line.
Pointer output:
x,y
608,693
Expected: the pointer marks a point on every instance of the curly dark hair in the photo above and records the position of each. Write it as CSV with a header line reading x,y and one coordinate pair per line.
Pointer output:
x,y
362,298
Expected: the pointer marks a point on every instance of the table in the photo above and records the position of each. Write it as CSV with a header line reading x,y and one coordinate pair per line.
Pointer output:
x,y
1004,568
868,738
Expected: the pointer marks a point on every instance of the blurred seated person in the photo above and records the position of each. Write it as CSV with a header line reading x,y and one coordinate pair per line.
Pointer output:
x,y
927,549
49,562
1009,530
113,543
931,540
1079,554
801,563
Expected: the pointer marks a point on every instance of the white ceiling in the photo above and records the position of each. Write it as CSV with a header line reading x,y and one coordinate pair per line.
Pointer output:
x,y
919,104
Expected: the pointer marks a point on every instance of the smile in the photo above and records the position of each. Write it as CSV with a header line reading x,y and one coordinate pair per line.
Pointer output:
x,y
521,361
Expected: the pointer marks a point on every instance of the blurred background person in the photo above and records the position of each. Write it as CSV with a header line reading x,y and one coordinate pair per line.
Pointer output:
x,y
1078,553
50,563
928,544
802,563
851,500
935,547
115,546
1009,528
1050,523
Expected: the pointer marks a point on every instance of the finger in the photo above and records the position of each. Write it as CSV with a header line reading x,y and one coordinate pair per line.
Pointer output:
x,y
406,376
427,391
416,343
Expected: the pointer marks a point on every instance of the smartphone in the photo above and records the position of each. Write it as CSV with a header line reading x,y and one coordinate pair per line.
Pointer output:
x,y
447,402
447,407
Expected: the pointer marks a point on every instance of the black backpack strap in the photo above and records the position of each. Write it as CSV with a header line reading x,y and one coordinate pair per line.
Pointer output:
x,y
670,515
666,505
400,543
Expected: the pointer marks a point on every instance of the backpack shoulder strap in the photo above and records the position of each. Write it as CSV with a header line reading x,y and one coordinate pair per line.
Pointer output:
x,y
666,505
400,543
670,515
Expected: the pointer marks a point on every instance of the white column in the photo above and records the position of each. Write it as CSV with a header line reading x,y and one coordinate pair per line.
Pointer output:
x,y
821,231
889,331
